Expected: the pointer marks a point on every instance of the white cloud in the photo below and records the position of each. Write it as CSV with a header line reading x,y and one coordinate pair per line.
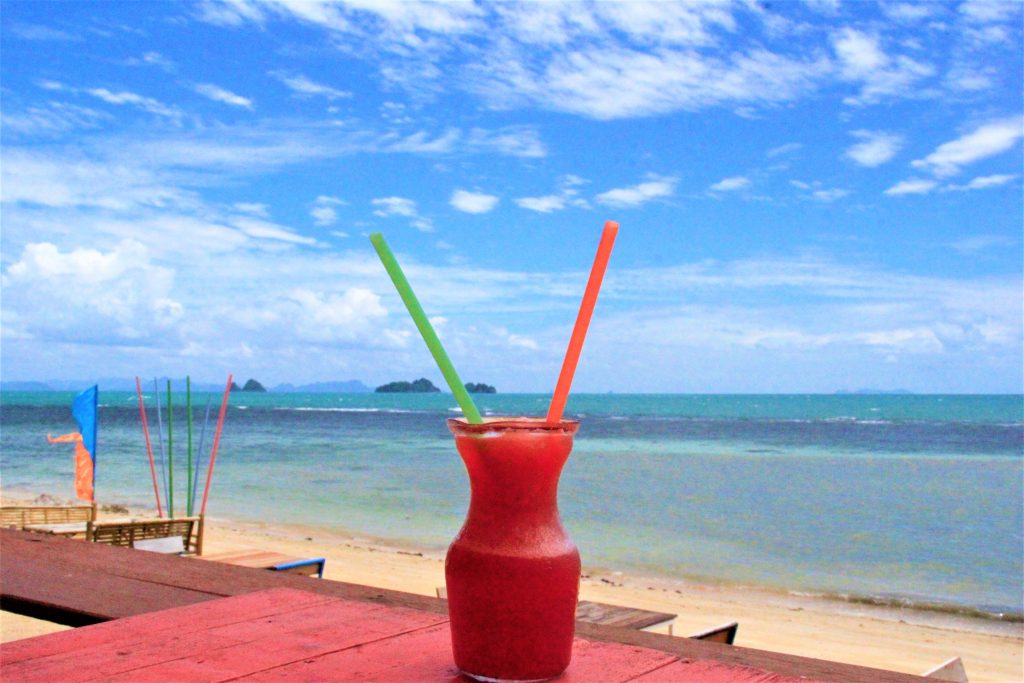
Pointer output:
x,y
64,180
912,186
40,33
229,12
783,150
977,243
218,94
614,82
302,85
265,230
254,208
326,317
545,204
987,11
568,195
665,22
145,103
522,342
731,184
876,148
829,195
515,141
402,206
983,182
473,202
971,78
51,118
862,60
87,296
994,137
323,215
152,58
906,12
394,206
655,187
323,211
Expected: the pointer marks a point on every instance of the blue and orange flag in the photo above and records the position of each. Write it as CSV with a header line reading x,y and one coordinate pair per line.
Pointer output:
x,y
84,410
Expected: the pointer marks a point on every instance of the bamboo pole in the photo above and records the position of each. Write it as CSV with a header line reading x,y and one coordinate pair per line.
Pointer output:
x,y
216,444
149,446
160,435
202,440
170,451
188,410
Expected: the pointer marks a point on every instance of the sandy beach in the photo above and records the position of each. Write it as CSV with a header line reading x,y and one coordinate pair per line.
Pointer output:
x,y
902,640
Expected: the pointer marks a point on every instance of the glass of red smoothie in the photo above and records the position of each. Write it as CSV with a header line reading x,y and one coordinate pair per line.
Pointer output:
x,y
512,572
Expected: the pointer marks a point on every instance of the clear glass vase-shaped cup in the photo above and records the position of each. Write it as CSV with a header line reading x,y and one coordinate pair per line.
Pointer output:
x,y
512,572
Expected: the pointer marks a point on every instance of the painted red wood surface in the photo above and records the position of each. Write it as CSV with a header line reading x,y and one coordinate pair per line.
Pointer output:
x,y
287,634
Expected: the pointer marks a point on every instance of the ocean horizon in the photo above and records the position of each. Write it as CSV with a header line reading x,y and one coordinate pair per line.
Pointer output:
x,y
898,499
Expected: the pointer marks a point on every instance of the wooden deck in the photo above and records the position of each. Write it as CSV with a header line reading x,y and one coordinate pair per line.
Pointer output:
x,y
78,583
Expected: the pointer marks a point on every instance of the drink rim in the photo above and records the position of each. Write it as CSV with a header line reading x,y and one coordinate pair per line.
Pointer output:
x,y
459,425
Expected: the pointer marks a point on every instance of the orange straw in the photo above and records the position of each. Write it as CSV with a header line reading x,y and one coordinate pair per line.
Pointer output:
x,y
579,333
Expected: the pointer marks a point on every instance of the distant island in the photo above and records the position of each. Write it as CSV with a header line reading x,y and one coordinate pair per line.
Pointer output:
x,y
419,386
251,385
352,386
480,388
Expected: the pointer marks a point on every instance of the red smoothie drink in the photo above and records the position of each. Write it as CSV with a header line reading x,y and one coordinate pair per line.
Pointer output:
x,y
512,572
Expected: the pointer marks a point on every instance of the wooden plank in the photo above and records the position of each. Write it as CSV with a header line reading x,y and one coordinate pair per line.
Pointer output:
x,y
775,662
208,614
124,576
617,615
76,596
266,559
713,672
425,655
597,661
273,644
246,633
61,529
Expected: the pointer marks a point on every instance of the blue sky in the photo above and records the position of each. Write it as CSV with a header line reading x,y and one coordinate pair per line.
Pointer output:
x,y
813,196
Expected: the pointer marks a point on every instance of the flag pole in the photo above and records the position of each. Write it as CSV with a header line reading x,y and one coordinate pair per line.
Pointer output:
x,y
149,445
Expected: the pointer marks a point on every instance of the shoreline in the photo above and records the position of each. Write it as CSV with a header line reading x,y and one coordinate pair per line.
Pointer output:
x,y
888,637
937,615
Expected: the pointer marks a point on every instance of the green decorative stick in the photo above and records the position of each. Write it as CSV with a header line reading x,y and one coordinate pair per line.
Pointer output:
x,y
170,453
426,329
188,409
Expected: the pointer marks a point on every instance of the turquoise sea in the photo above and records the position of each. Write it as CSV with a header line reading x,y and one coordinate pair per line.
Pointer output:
x,y
911,500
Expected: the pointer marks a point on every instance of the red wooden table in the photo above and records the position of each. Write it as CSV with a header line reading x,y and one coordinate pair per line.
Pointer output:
x,y
78,583
288,634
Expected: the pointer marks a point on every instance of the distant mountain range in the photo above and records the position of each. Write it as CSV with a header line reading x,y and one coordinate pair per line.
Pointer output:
x,y
352,386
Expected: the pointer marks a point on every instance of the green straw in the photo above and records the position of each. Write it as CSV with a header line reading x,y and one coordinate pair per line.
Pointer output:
x,y
426,329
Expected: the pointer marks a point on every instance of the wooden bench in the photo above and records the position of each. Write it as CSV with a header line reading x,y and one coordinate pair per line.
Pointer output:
x,y
65,520
128,533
